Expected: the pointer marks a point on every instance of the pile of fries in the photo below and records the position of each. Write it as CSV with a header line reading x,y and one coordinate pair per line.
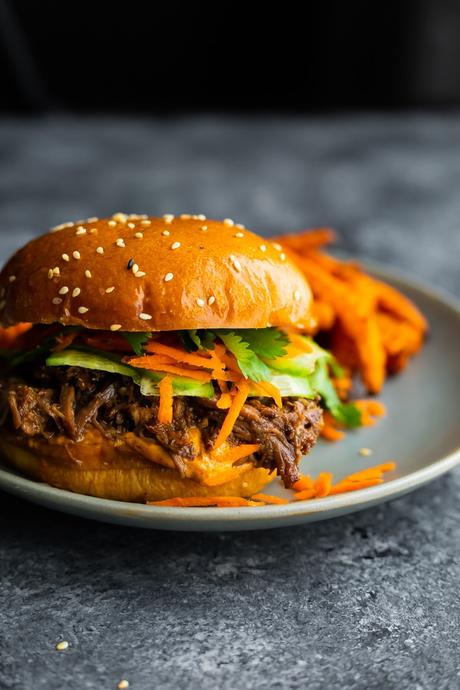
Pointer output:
x,y
371,327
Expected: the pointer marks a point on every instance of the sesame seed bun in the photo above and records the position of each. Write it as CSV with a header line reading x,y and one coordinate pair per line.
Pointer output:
x,y
96,466
139,273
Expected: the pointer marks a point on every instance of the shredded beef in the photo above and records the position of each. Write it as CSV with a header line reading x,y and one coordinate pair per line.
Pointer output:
x,y
50,401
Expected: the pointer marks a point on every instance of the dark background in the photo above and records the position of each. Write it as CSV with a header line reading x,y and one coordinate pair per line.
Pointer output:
x,y
225,56
368,601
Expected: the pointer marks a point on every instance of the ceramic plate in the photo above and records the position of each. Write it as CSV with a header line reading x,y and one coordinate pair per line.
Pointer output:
x,y
421,432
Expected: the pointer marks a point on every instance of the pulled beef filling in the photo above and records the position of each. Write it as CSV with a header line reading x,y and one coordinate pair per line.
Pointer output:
x,y
49,401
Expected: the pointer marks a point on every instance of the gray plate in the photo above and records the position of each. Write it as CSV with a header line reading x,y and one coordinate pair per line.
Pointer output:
x,y
421,432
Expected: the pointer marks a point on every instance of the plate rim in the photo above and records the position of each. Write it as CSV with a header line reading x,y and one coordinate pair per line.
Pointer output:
x,y
55,498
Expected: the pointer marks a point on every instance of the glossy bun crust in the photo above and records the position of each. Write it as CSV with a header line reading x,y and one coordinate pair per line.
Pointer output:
x,y
138,273
98,467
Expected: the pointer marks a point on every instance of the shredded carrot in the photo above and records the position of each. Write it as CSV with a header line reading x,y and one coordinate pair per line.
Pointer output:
x,y
323,484
304,495
206,501
344,487
331,428
154,363
63,341
165,410
305,483
224,402
9,336
272,391
271,500
233,412
201,361
370,409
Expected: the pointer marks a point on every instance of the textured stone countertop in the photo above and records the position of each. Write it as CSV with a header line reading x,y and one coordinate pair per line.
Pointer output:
x,y
364,601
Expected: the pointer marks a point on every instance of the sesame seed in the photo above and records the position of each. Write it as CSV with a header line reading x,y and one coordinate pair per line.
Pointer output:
x,y
80,230
366,452
138,235
239,234
88,273
50,273
82,310
168,277
229,222
166,233
297,295
63,290
62,646
300,326
139,274
211,300
175,245
200,302
56,300
75,292
123,685
130,264
66,257
56,271
135,269
283,256
112,223
145,317
277,246
200,216
168,218
93,219
263,248
120,217
120,242
100,250
204,228
185,216
110,289
131,225
146,222
93,231
236,263
115,327
240,226
12,279
58,227
76,255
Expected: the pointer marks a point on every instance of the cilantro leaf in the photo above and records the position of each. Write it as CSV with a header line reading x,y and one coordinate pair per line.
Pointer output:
x,y
136,340
197,339
251,366
347,413
269,343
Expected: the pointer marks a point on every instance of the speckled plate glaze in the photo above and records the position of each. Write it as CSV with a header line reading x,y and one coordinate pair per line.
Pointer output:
x,y
421,432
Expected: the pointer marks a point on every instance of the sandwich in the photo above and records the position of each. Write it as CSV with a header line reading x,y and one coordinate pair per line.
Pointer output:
x,y
147,358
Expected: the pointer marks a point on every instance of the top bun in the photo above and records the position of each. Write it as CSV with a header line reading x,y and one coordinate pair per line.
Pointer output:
x,y
138,273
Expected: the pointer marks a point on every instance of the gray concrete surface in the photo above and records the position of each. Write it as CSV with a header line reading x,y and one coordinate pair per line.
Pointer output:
x,y
364,601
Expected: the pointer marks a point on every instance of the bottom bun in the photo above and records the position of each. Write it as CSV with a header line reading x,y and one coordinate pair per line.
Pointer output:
x,y
100,467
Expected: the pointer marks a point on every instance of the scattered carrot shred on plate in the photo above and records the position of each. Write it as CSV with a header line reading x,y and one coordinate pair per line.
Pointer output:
x,y
268,498
206,502
304,489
